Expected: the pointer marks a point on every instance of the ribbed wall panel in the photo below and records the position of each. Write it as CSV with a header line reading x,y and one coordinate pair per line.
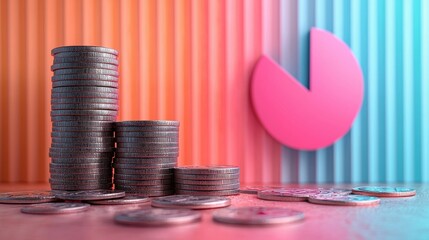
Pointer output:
x,y
191,60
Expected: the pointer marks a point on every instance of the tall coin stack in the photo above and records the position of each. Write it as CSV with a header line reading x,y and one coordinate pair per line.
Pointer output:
x,y
207,180
84,102
146,154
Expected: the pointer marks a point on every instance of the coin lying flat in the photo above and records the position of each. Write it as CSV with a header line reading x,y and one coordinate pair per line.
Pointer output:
x,y
257,215
27,197
145,161
142,176
81,106
208,187
56,208
158,217
147,123
344,200
287,195
85,54
207,193
91,83
147,140
147,128
57,66
89,195
83,49
384,191
86,187
207,170
148,193
121,201
207,182
84,77
86,59
191,202
86,71
207,177
83,118
84,100
153,182
255,189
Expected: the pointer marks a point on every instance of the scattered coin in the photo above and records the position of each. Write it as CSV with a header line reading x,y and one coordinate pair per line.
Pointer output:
x,y
26,197
55,208
377,191
158,217
191,202
344,200
121,201
148,193
89,195
287,195
257,215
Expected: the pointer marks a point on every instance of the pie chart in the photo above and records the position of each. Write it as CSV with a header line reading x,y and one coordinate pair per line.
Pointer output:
x,y
315,117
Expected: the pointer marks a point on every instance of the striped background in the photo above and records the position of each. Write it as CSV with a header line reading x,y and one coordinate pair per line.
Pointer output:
x,y
191,60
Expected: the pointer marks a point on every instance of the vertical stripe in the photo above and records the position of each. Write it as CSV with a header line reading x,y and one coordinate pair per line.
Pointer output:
x,y
424,89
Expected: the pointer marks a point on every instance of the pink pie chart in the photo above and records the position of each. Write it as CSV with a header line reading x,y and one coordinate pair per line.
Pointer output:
x,y
314,118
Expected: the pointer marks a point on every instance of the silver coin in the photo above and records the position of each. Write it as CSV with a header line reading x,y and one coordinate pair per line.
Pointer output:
x,y
72,177
207,177
153,182
83,145
336,191
86,59
147,140
61,181
147,134
144,188
82,129
142,176
255,189
83,118
139,166
83,124
257,215
25,197
144,171
84,89
147,145
83,112
89,195
147,129
208,193
344,200
82,165
82,160
191,202
208,182
148,150
57,66
148,193
83,55
83,49
55,208
207,187
81,171
85,95
90,83
86,187
145,161
287,194
86,71
147,123
80,150
378,191
158,217
84,77
84,101
80,155
145,155
86,140
207,170
76,134
121,201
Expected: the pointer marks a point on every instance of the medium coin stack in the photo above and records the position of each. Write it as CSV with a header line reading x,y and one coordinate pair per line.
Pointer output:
x,y
146,154
84,102
207,180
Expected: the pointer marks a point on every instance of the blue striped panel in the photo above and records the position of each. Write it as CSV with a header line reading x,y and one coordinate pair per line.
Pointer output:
x,y
389,140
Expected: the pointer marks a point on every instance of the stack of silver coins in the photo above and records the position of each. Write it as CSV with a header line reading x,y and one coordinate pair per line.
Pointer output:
x,y
84,102
207,180
146,154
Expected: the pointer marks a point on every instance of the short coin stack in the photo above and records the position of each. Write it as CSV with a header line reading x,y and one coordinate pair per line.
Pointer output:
x,y
207,180
84,102
146,155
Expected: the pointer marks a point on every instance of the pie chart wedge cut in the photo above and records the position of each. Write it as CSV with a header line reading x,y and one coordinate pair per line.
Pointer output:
x,y
314,118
